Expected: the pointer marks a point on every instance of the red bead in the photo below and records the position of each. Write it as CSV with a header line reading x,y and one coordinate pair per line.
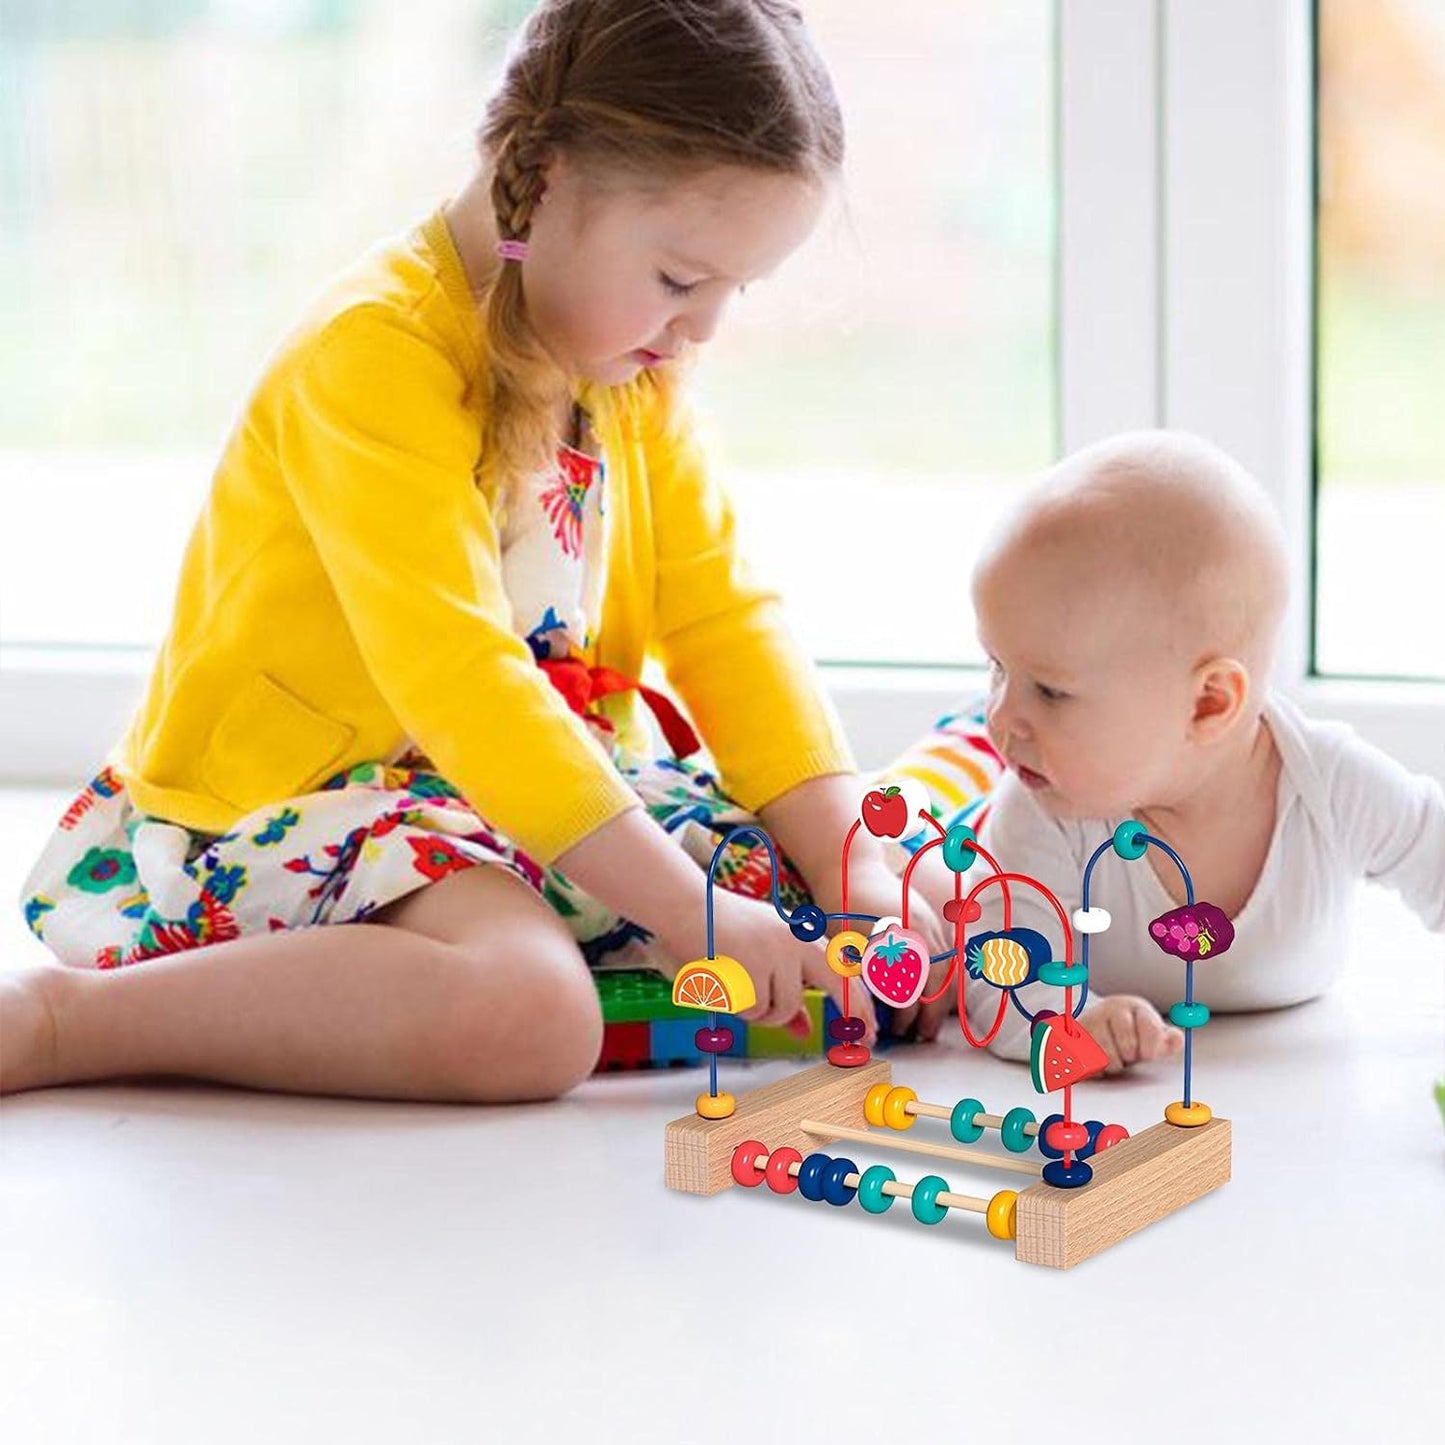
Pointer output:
x,y
848,1056
847,1030
972,911
745,1163
713,1041
780,1181
1066,1135
1110,1135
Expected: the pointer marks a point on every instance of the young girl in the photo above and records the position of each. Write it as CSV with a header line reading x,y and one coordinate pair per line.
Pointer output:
x,y
399,690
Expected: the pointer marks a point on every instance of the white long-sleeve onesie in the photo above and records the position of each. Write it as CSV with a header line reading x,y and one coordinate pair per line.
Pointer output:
x,y
1346,811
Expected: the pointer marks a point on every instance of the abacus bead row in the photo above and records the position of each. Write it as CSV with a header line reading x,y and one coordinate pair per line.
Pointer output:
x,y
896,1107
821,1177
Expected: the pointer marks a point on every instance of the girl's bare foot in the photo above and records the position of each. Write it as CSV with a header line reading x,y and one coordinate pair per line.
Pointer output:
x,y
27,1029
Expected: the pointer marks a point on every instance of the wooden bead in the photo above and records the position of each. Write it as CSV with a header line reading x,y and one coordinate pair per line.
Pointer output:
x,y
847,1030
716,1106
835,1188
1129,841
745,1163
1189,1015
1076,1174
1067,1135
926,1208
959,854
1188,1118
810,1176
778,1171
1110,1135
873,1104
1002,1215
845,967
713,1041
895,1106
961,1122
1011,1131
1092,920
870,1189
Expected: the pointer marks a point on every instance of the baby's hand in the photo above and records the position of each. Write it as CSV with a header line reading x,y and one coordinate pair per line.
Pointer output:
x,y
780,966
1130,1031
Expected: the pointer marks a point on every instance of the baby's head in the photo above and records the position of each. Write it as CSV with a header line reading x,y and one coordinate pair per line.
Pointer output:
x,y
1129,607
653,157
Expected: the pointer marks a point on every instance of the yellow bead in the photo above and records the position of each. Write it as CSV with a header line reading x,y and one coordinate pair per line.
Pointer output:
x,y
1189,1118
895,1106
716,1106
1002,1216
873,1104
846,967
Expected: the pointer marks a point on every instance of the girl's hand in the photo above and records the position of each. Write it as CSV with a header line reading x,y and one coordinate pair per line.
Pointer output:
x,y
1130,1031
780,967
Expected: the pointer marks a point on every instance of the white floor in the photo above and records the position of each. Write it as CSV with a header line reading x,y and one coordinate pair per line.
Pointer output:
x,y
194,1264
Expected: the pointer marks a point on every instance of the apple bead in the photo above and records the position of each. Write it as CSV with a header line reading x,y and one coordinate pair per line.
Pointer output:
x,y
885,812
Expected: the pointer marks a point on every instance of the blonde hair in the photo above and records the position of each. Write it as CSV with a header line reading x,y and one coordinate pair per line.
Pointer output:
x,y
653,88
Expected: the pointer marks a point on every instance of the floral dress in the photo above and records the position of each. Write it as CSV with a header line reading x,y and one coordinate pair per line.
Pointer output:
x,y
115,887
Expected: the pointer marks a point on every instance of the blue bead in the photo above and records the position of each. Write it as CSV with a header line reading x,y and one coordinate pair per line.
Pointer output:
x,y
835,1191
808,923
810,1176
960,1122
958,850
926,1208
1189,1015
1047,1150
1093,1126
1062,975
870,1189
1011,1131
1071,1178
1129,840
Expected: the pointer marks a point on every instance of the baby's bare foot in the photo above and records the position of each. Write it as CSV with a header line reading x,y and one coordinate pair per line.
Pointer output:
x,y
27,1029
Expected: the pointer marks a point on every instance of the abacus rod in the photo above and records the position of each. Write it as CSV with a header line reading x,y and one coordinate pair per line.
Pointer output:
x,y
899,1189
942,1111
886,1139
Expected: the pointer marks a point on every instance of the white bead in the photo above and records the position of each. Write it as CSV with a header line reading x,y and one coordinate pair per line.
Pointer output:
x,y
1092,920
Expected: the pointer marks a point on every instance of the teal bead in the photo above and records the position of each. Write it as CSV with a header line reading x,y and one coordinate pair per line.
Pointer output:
x,y
1063,975
958,851
870,1189
1011,1131
1129,840
926,1208
1189,1015
960,1122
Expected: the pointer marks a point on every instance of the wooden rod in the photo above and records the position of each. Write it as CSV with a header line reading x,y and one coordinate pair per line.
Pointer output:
x,y
900,1190
890,1139
942,1111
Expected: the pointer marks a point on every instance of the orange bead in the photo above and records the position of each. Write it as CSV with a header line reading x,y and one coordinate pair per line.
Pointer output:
x,y
895,1105
842,966
873,1104
1188,1118
716,1106
1002,1215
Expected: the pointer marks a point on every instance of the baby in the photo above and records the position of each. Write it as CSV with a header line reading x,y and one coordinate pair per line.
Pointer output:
x,y
1129,609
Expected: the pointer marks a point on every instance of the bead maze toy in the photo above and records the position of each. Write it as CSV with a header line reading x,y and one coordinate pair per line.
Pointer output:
x,y
1098,1184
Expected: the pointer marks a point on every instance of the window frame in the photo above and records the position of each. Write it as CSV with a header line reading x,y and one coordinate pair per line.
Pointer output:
x,y
1186,252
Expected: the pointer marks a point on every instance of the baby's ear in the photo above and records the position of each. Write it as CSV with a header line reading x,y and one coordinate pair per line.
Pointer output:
x,y
1221,696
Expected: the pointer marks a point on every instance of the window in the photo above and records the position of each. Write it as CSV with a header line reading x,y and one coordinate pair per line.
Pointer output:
x,y
1380,366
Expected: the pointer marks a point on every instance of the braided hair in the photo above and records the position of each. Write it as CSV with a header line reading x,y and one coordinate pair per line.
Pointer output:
x,y
656,89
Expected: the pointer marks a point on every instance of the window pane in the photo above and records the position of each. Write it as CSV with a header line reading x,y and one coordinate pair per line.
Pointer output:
x,y
179,176
875,403
1380,598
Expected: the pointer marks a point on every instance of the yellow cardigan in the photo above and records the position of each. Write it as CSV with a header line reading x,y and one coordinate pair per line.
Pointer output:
x,y
341,594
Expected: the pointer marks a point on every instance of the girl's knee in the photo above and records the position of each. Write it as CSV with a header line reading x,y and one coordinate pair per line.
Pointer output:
x,y
533,1033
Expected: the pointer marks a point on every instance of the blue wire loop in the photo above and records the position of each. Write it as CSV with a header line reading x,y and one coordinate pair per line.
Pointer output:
x,y
1150,839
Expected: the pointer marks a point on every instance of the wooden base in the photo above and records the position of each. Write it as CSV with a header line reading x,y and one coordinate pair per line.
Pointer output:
x,y
698,1152
1139,1180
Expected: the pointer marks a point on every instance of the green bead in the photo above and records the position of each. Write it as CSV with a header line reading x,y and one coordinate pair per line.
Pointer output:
x,y
958,850
960,1122
926,1208
1188,1015
1129,840
1011,1131
1062,975
870,1189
